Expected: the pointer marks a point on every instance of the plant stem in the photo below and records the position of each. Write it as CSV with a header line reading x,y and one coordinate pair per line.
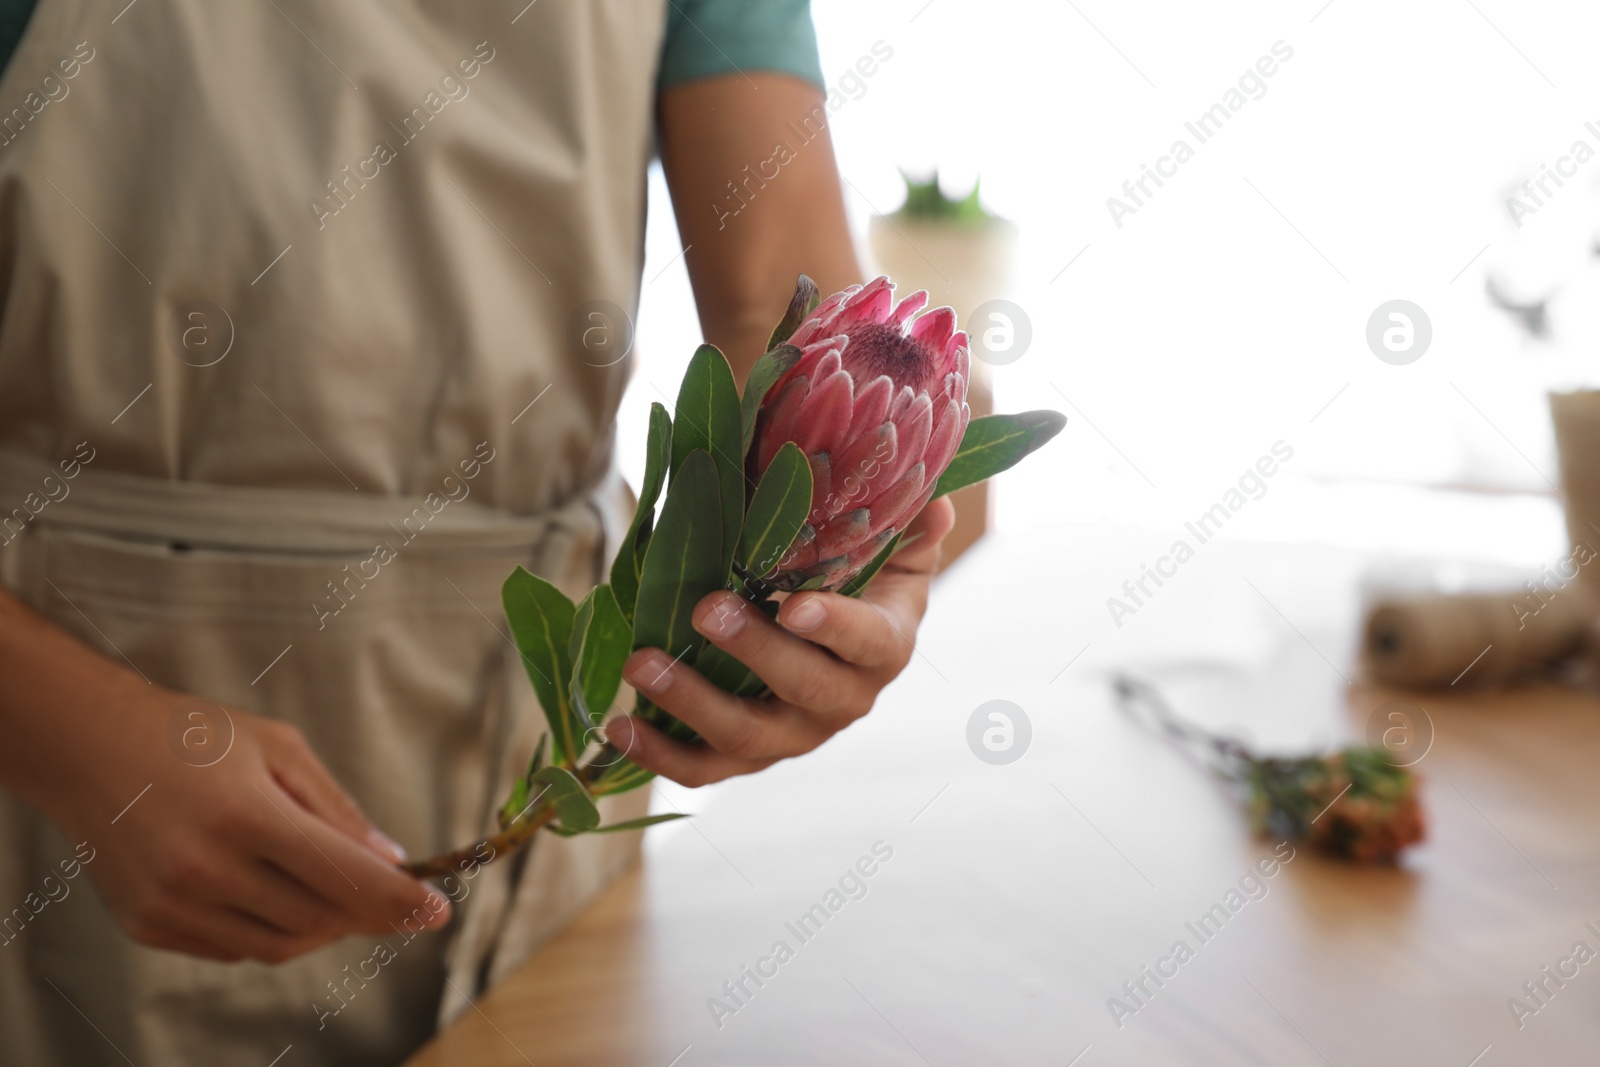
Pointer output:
x,y
1226,755
520,832
463,859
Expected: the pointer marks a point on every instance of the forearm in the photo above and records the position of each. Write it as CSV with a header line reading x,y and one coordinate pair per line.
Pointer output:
x,y
55,689
756,205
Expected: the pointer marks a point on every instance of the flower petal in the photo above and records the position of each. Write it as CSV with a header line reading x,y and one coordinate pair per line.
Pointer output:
x,y
946,437
902,520
857,468
872,304
835,572
829,309
872,406
830,362
902,402
912,431
908,307
955,358
935,328
868,550
844,533
823,498
778,417
815,353
825,414
893,503
803,553
816,324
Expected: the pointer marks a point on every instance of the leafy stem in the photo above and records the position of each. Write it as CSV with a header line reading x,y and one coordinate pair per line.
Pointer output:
x,y
462,860
539,815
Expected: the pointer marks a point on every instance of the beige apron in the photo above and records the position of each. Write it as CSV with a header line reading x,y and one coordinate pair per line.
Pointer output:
x,y
392,221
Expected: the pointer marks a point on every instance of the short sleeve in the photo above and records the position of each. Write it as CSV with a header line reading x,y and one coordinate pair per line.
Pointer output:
x,y
706,38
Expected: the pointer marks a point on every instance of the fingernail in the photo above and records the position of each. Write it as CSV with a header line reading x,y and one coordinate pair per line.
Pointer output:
x,y
386,844
439,909
651,672
726,617
806,616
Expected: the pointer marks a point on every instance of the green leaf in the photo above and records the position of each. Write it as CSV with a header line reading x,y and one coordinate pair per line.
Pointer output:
x,y
630,554
707,418
621,777
581,617
995,443
777,511
720,668
641,823
768,369
725,672
601,641
618,827
684,560
517,803
574,806
541,622
804,301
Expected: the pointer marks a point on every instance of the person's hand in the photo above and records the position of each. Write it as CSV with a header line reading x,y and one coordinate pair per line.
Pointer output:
x,y
260,855
824,660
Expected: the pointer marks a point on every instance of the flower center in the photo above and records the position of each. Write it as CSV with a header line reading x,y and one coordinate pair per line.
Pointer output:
x,y
876,348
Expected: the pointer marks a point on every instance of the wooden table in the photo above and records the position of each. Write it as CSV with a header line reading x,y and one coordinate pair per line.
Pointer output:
x,y
1020,898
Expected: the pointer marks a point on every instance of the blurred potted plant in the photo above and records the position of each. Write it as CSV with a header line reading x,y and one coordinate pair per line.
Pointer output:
x,y
963,255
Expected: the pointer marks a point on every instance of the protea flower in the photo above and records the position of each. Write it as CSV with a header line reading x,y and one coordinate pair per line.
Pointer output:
x,y
857,391
878,404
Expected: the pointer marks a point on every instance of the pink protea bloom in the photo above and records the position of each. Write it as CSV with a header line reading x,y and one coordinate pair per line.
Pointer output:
x,y
878,403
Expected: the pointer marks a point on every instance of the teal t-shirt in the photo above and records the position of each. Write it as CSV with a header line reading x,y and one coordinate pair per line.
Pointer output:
x,y
704,38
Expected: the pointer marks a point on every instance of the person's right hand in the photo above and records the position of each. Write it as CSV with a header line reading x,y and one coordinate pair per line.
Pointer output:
x,y
260,855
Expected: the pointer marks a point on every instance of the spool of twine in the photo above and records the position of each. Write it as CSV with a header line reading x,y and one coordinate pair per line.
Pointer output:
x,y
1436,640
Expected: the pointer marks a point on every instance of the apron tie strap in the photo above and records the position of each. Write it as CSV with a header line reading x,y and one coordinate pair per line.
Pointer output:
x,y
268,519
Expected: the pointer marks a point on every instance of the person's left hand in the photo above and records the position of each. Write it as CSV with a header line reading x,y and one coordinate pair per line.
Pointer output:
x,y
824,660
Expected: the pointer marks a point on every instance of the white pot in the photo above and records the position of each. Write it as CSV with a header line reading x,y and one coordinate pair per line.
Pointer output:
x,y
960,264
